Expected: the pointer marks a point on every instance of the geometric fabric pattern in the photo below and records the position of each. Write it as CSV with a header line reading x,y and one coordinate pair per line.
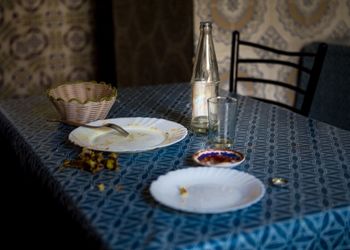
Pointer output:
x,y
312,212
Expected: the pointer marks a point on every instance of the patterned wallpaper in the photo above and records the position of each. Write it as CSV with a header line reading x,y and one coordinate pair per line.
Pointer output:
x,y
44,42
283,24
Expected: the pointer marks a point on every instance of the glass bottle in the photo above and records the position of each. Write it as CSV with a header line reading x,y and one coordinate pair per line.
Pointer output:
x,y
205,78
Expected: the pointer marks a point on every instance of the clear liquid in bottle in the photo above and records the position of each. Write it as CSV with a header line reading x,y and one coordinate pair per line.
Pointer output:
x,y
201,91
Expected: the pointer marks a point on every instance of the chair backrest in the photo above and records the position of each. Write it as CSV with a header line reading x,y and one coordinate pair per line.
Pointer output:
x,y
313,71
332,96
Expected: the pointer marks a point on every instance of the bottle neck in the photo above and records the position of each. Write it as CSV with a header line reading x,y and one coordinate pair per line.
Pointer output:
x,y
205,30
206,24
205,67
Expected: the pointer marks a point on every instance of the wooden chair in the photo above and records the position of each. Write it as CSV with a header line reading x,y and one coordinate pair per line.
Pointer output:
x,y
313,72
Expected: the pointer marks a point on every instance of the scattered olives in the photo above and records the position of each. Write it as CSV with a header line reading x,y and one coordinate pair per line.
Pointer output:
x,y
93,161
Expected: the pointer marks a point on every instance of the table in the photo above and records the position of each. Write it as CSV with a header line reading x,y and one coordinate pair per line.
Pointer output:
x,y
313,212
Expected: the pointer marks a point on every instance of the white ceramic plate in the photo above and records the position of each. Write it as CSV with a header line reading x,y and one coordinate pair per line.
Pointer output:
x,y
145,134
207,190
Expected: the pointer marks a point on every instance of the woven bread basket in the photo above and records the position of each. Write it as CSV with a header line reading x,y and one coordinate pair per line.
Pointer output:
x,y
83,101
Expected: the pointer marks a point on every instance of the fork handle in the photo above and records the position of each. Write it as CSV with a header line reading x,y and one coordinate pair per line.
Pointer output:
x,y
79,124
119,129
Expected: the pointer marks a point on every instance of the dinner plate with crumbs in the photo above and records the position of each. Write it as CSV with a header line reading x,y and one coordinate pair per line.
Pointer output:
x,y
144,134
207,190
218,157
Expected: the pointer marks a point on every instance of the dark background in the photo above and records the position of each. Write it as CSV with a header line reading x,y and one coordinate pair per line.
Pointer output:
x,y
153,41
136,44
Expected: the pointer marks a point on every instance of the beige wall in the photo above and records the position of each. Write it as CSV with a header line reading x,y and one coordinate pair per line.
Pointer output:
x,y
284,24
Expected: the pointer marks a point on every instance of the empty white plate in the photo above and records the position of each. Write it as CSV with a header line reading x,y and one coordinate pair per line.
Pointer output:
x,y
207,190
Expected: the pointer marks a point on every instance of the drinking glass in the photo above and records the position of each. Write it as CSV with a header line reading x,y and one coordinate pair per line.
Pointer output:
x,y
222,122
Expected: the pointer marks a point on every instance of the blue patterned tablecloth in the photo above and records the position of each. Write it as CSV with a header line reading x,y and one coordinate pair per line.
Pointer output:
x,y
313,212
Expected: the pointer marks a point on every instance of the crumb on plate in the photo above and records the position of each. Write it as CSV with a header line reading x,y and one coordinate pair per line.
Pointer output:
x,y
183,192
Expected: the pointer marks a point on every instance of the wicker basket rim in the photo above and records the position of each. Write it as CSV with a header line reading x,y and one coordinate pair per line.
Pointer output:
x,y
96,100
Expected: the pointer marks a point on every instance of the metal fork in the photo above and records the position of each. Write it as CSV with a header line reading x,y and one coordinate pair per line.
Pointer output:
x,y
109,125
